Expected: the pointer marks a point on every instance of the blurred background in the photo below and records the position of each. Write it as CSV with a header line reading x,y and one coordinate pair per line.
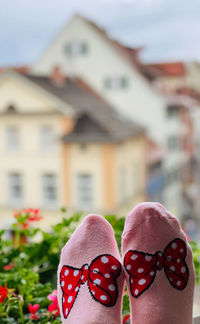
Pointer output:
x,y
100,107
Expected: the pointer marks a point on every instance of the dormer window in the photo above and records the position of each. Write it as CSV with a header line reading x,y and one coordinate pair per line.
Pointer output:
x,y
116,83
76,48
11,109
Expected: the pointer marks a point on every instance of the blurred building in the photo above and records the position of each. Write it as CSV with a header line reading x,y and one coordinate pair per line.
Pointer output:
x,y
62,144
116,73
179,82
92,127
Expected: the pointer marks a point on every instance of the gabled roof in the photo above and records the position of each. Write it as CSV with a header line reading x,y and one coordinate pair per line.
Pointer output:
x,y
86,102
132,55
87,129
172,69
24,69
188,91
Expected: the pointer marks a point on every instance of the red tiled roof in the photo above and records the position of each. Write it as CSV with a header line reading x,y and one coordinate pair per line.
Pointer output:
x,y
169,68
189,92
24,69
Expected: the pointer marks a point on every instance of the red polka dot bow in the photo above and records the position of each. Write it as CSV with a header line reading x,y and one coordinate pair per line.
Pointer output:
x,y
142,267
101,278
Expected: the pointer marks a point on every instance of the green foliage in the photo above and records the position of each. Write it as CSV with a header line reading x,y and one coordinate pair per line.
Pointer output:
x,y
196,259
28,266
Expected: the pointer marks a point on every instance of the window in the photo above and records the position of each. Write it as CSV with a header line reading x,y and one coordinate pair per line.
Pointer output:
x,y
76,48
84,191
15,188
113,83
172,111
49,185
173,143
12,138
47,139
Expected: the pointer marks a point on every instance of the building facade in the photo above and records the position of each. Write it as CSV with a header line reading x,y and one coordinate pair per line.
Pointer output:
x,y
57,148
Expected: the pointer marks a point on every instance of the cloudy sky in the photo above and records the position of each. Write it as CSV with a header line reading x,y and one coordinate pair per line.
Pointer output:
x,y
168,29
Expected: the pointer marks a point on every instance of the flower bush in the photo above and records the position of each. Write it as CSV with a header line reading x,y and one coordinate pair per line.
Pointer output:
x,y
29,259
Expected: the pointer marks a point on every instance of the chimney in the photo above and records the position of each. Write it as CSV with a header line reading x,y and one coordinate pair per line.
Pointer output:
x,y
57,77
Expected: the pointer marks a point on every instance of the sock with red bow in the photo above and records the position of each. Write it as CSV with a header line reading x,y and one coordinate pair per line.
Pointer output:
x,y
90,278
158,267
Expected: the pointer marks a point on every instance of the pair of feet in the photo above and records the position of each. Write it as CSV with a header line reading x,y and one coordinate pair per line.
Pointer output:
x,y
156,265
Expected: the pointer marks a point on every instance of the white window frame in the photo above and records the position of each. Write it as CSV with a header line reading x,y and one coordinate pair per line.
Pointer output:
x,y
76,48
15,182
47,138
84,190
49,183
12,138
116,82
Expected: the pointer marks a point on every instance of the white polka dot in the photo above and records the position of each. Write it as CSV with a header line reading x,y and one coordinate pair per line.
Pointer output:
x,y
169,258
170,279
66,272
181,250
76,272
92,292
178,283
63,299
172,268
136,292
134,257
104,259
131,280
86,266
62,283
76,289
174,246
128,267
148,258
69,287
69,299
111,287
140,270
114,267
66,312
183,269
107,275
141,282
152,273
82,277
97,281
160,253
95,270
103,297
157,263
178,260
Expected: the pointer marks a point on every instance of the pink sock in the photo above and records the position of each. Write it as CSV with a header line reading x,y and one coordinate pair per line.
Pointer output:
x,y
158,267
90,278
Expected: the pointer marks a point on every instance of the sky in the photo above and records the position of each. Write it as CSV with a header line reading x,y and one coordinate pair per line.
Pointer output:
x,y
167,29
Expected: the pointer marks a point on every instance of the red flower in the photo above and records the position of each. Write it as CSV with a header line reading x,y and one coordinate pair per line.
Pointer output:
x,y
33,309
3,293
16,214
34,214
53,308
126,318
9,266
